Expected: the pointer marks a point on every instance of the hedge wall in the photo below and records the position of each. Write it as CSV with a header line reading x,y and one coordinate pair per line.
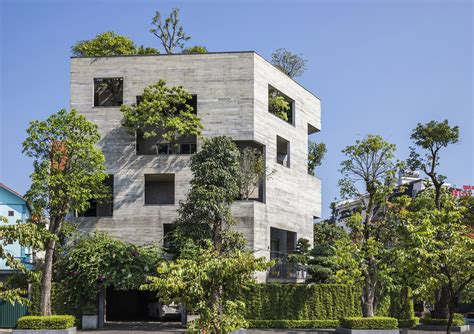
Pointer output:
x,y
401,304
302,302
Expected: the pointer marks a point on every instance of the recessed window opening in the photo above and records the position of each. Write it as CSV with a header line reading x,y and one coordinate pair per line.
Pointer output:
x,y
108,92
159,188
281,105
283,151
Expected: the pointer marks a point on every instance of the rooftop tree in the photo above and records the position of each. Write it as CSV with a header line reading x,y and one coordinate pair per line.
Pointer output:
x,y
369,176
109,44
163,111
289,63
68,172
213,267
195,49
170,32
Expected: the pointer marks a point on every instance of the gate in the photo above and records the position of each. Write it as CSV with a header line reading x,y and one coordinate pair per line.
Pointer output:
x,y
9,313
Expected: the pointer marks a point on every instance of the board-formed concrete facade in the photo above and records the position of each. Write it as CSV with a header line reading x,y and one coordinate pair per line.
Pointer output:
x,y
232,100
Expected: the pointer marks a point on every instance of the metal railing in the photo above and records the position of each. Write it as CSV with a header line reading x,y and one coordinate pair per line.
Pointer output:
x,y
288,271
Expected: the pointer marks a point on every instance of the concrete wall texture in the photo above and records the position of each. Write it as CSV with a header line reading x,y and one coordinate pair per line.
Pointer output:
x,y
232,100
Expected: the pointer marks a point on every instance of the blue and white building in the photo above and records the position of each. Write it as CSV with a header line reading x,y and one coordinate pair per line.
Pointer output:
x,y
16,209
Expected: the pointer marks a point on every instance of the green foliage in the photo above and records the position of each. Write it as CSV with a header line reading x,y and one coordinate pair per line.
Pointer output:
x,y
252,171
369,178
46,322
458,320
408,323
293,323
60,302
27,235
194,281
369,323
164,111
323,266
90,263
289,63
401,304
278,105
170,33
302,252
109,44
214,188
302,302
316,154
196,49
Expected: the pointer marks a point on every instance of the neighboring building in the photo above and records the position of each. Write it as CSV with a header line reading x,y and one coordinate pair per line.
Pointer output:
x,y
15,208
230,94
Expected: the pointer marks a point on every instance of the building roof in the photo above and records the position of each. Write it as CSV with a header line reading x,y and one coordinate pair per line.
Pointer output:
x,y
15,193
199,54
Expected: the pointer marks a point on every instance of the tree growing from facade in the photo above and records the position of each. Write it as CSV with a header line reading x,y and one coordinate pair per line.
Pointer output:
x,y
109,44
252,171
316,152
291,64
163,111
369,176
213,268
27,235
431,138
437,243
68,173
169,31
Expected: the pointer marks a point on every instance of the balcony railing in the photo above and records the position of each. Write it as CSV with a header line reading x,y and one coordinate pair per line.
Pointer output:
x,y
285,270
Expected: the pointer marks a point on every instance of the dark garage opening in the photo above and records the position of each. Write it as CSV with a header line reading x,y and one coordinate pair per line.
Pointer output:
x,y
135,305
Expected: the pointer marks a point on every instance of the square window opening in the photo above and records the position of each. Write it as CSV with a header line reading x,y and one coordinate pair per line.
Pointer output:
x,y
108,92
102,208
281,105
159,188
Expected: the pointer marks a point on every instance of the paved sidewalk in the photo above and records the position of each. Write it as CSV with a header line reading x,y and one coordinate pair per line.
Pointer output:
x,y
138,328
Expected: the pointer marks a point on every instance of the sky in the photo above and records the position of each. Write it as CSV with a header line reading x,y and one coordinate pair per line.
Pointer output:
x,y
379,67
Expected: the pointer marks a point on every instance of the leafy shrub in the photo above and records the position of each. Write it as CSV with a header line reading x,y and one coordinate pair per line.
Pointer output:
x,y
408,323
293,323
401,304
458,320
369,323
46,322
302,302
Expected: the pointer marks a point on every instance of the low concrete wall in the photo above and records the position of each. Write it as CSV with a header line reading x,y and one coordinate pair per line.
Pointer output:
x,y
432,329
341,330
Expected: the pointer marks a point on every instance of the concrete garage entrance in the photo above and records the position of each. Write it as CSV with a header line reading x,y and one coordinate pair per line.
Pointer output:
x,y
137,306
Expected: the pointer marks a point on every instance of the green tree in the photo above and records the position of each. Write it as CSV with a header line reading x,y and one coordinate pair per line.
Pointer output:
x,y
432,137
316,154
170,33
278,105
109,44
213,267
68,173
27,235
196,49
252,171
89,263
289,63
438,243
163,111
369,177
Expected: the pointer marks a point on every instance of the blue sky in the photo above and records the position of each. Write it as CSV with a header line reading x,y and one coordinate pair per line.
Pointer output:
x,y
378,66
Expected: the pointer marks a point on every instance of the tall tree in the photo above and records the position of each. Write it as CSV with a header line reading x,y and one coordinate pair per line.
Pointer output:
x,y
213,267
109,44
437,242
289,63
369,177
252,171
170,32
432,137
68,173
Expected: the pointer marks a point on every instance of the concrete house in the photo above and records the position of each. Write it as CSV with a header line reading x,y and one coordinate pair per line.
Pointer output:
x,y
231,96
15,208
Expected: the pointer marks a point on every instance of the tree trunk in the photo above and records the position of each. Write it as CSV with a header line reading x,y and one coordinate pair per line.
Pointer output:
x,y
368,298
46,279
441,306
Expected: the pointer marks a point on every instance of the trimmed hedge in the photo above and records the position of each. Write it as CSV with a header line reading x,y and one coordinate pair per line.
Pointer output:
x,y
293,323
46,322
458,320
408,323
274,301
369,323
401,304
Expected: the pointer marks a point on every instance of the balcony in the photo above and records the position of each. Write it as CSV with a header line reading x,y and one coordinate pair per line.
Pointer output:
x,y
287,272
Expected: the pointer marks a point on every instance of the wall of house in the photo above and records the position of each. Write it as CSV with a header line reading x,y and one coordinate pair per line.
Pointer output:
x,y
232,100
10,202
